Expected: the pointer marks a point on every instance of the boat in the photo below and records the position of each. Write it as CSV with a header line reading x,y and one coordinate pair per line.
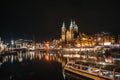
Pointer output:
x,y
96,71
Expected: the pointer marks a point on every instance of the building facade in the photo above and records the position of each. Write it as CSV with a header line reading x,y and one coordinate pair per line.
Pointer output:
x,y
94,40
68,35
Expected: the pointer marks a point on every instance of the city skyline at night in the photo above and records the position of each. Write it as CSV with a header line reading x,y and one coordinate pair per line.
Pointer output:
x,y
43,20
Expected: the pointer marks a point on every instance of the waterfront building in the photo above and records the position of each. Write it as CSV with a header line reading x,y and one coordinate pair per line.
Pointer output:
x,y
94,40
3,46
21,43
70,36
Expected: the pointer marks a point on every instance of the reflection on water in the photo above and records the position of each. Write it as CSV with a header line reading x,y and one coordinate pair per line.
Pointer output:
x,y
30,56
34,66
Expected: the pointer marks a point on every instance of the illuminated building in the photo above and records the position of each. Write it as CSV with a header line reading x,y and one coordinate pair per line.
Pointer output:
x,y
2,45
84,40
21,43
67,35
69,38
63,31
109,39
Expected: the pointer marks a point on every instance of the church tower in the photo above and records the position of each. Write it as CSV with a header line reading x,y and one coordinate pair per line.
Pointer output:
x,y
71,29
63,32
75,27
68,35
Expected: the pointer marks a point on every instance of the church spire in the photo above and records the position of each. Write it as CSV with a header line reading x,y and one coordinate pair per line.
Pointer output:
x,y
74,23
71,24
63,26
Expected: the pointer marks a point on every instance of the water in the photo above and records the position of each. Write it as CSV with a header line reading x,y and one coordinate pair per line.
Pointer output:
x,y
31,66
36,66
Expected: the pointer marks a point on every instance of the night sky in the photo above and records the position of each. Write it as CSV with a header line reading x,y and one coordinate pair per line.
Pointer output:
x,y
42,20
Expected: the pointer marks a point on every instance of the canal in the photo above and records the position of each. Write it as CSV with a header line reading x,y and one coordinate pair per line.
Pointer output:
x,y
37,65
33,66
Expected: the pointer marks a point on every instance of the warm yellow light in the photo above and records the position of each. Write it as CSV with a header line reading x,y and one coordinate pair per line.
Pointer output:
x,y
47,58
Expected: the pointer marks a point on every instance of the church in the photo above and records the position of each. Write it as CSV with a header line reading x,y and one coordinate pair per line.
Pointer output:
x,y
68,35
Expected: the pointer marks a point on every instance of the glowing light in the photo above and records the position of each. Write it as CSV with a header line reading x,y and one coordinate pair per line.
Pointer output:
x,y
71,55
20,59
47,57
78,45
12,42
107,43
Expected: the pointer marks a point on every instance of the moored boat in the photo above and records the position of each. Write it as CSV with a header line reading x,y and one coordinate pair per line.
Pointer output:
x,y
99,70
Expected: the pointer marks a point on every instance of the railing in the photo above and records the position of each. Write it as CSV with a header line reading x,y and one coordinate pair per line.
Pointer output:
x,y
95,71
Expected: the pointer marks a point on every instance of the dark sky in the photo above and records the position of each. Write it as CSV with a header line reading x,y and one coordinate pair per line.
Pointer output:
x,y
42,20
